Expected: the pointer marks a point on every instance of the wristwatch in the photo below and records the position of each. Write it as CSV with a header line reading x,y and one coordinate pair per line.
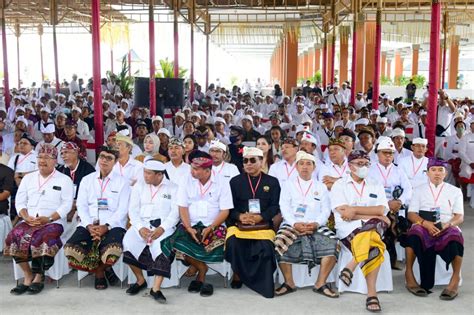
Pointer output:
x,y
50,219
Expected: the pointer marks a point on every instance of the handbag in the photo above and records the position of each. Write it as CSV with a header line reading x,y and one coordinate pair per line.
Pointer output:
x,y
431,216
256,227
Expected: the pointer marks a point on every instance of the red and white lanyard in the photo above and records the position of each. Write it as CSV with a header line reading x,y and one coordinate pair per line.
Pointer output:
x,y
288,173
24,158
413,165
361,192
46,180
102,186
153,194
437,197
340,173
203,190
220,169
301,189
254,190
385,177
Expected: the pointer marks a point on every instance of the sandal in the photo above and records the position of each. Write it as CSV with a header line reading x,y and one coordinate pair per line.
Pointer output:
x,y
36,287
206,290
111,276
417,291
346,276
100,284
287,291
322,290
19,289
195,286
448,295
373,300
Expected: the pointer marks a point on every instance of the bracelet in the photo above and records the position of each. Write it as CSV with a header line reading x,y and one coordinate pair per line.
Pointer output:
x,y
422,221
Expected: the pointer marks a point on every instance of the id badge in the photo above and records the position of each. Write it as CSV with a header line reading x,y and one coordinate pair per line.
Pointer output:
x,y
202,208
102,204
301,210
254,206
74,190
388,193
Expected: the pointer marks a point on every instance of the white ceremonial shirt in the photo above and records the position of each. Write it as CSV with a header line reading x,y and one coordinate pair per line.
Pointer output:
x,y
447,197
415,169
400,155
45,196
346,191
25,163
466,152
226,170
333,170
304,201
283,171
390,177
205,202
177,174
113,192
132,170
148,202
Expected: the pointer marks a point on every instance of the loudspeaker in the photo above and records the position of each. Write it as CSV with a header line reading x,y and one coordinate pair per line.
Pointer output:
x,y
169,93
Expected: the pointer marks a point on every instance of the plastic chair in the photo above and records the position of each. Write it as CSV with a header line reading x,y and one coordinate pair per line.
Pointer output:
x,y
302,278
5,228
442,276
120,269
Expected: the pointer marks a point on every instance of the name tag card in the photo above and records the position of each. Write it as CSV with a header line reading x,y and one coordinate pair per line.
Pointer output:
x,y
254,206
102,204
301,210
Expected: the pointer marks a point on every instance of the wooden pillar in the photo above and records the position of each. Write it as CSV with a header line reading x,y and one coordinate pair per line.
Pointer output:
x,y
384,64
453,62
389,68
329,60
369,65
343,56
291,57
317,58
398,67
305,64
310,63
359,86
415,57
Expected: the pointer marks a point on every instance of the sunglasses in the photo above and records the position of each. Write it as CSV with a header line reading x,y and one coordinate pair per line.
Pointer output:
x,y
108,158
251,160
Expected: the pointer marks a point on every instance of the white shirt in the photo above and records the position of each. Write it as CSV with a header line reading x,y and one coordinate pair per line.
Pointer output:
x,y
333,170
148,202
400,155
114,188
466,152
445,118
450,200
451,147
25,163
390,177
415,169
312,194
346,192
205,202
132,170
226,170
45,196
177,174
283,171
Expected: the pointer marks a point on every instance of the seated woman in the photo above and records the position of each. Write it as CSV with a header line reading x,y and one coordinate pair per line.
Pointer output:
x,y
151,145
304,237
264,143
153,214
249,242
44,199
360,207
437,210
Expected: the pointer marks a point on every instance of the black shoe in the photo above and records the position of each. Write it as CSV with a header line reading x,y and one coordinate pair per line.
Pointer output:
x,y
206,290
195,286
236,284
19,289
158,296
35,288
111,276
135,288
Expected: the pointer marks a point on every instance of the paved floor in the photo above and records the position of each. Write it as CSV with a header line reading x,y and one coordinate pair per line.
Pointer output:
x,y
69,299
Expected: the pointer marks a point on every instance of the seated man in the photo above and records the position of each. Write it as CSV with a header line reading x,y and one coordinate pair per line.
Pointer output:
x,y
44,199
204,201
304,237
102,205
153,215
360,207
436,210
249,241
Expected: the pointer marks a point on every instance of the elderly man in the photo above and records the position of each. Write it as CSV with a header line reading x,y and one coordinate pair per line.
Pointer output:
x,y
153,215
47,130
392,178
75,168
218,152
336,166
414,166
249,241
360,206
44,198
102,205
126,166
436,211
70,130
305,209
285,169
204,201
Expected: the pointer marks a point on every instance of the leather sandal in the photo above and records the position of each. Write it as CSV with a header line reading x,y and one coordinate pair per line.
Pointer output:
x,y
19,289
287,291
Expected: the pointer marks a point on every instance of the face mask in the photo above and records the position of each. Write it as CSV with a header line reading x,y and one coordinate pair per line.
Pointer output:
x,y
66,111
321,122
233,139
460,130
362,172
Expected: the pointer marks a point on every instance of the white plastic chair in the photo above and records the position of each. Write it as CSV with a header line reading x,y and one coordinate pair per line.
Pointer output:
x,y
359,285
303,279
5,228
442,276
167,283
120,269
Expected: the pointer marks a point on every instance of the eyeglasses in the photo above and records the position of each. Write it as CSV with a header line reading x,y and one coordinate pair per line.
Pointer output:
x,y
108,158
24,142
387,153
200,135
361,164
251,160
291,141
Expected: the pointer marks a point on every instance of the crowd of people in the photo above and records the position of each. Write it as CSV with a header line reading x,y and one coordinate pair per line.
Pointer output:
x,y
255,180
